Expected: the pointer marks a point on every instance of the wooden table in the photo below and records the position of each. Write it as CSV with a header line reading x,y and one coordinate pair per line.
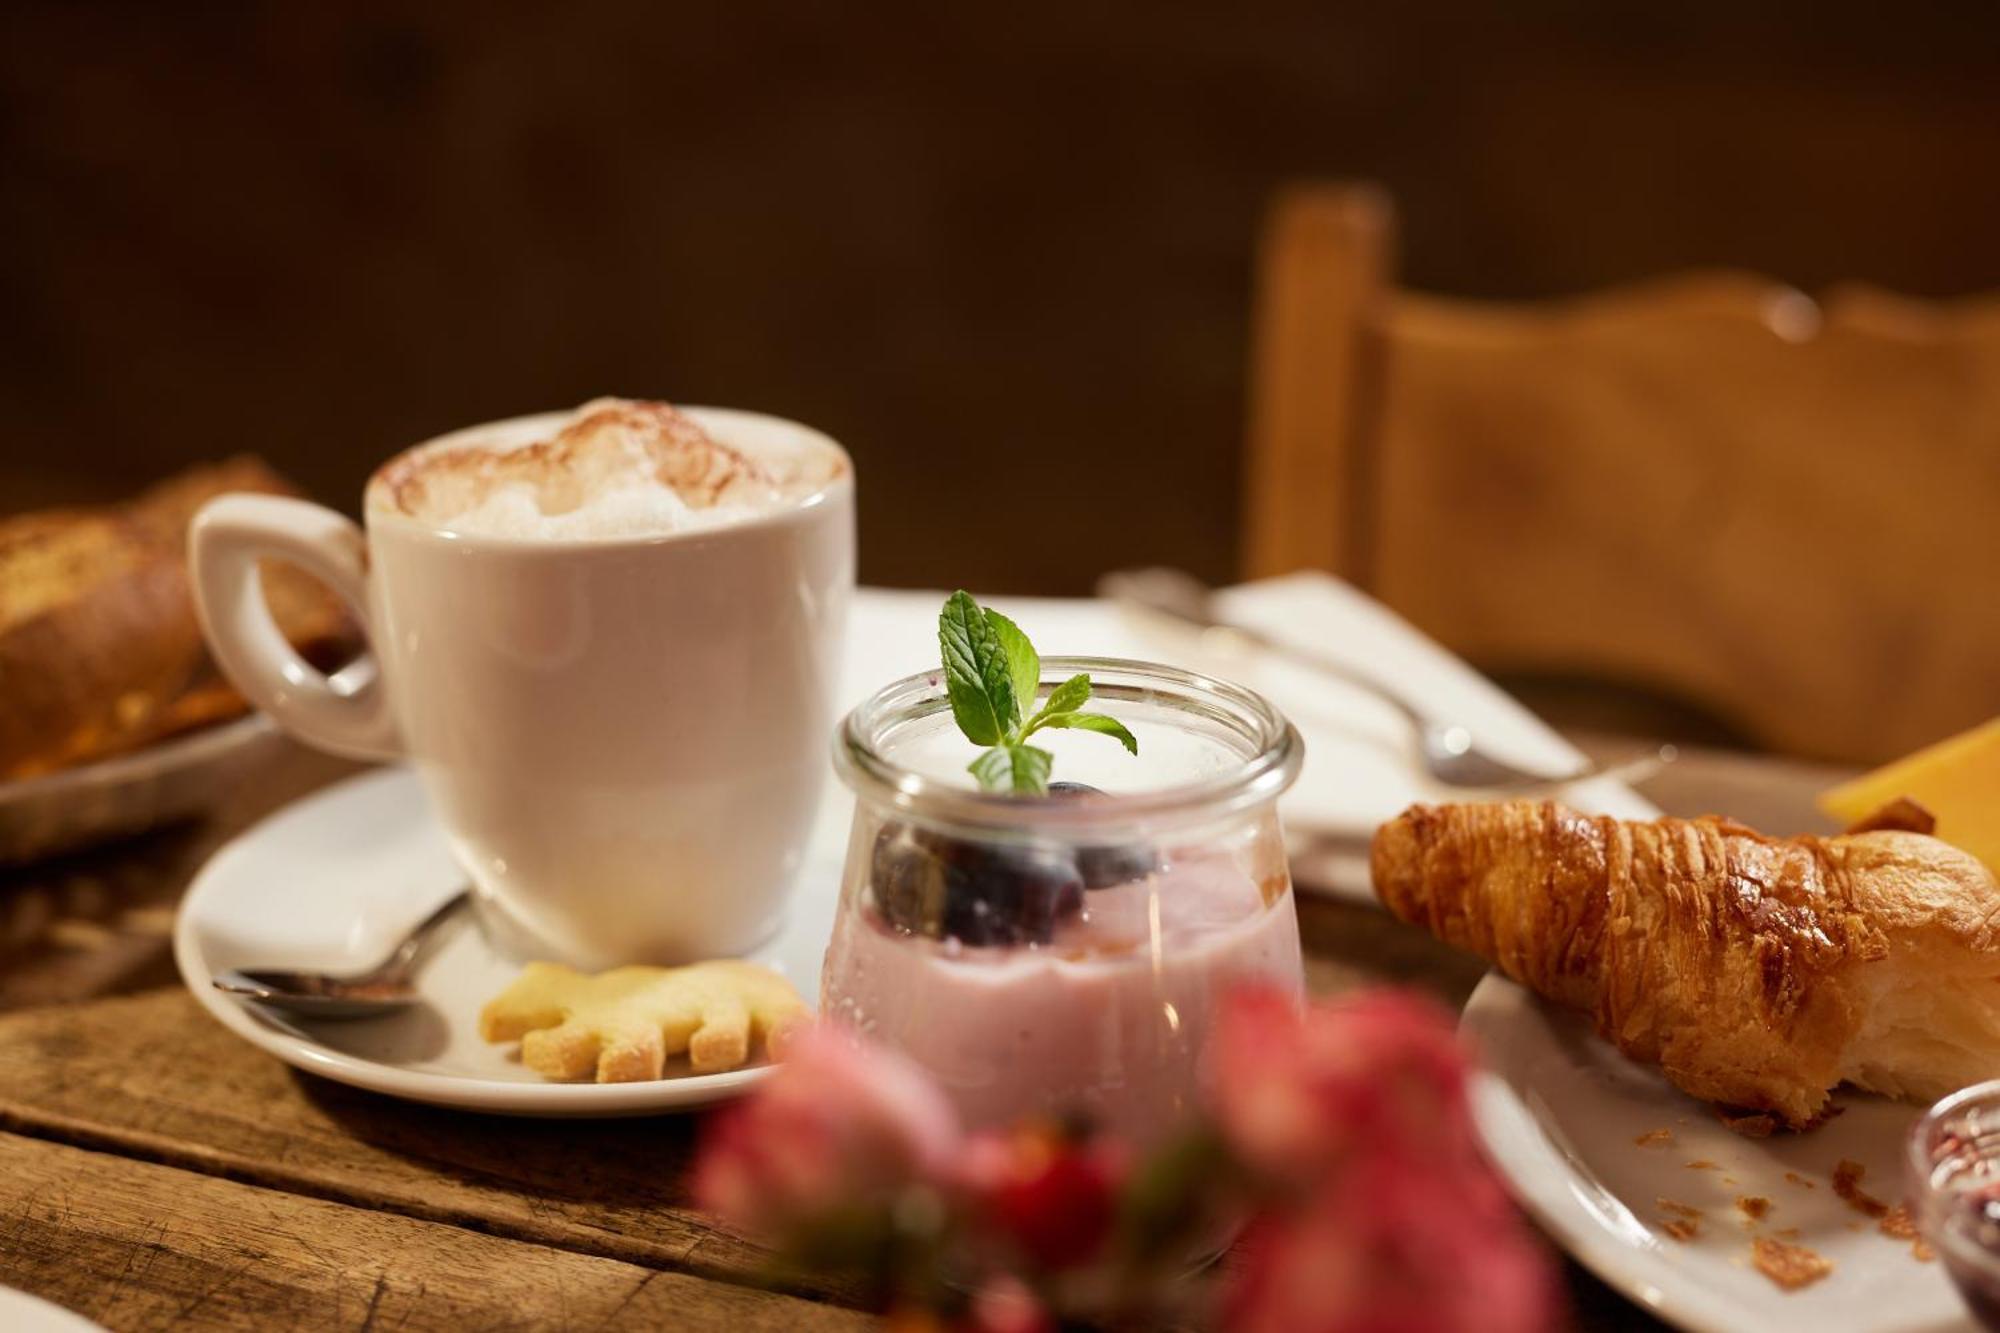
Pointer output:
x,y
156,1171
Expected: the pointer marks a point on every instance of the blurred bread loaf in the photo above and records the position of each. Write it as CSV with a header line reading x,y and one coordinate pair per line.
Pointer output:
x,y
97,638
100,651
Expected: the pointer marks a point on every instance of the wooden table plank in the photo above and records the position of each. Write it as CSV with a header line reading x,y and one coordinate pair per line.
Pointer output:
x,y
153,1076
98,922
139,1246
83,1075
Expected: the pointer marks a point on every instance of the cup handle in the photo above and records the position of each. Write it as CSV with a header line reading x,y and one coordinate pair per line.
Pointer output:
x,y
347,713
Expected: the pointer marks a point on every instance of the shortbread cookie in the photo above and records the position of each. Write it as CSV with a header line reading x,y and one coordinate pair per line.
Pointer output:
x,y
622,1025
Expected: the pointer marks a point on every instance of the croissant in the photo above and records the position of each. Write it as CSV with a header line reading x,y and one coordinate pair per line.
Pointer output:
x,y
1757,972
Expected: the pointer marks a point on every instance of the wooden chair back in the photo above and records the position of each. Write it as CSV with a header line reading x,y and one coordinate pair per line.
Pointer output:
x,y
1710,487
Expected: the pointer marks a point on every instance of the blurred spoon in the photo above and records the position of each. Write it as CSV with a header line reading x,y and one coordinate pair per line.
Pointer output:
x,y
381,989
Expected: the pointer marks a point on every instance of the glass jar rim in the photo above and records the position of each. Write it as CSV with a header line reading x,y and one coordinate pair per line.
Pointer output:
x,y
1922,1166
1262,777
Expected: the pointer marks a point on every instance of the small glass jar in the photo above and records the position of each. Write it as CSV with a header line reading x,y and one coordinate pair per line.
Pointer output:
x,y
1954,1172
1065,955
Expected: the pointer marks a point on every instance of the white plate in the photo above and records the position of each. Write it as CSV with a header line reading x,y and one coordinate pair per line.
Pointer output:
x,y
22,1313
128,793
332,881
1560,1111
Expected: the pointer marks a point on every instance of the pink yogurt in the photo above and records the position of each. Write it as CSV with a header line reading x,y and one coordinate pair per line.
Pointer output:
x,y
1110,1017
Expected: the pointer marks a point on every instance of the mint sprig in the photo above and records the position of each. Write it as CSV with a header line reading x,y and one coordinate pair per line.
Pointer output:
x,y
992,674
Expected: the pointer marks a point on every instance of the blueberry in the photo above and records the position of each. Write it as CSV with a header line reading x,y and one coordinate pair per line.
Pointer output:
x,y
906,879
978,893
1105,867
1108,867
1004,895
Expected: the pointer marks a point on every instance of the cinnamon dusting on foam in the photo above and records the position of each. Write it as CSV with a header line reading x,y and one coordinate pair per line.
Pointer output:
x,y
616,468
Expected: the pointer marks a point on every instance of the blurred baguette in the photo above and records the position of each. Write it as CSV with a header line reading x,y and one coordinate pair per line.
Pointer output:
x,y
100,650
97,638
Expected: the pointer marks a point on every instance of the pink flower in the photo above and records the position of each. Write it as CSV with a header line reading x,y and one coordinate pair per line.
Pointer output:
x,y
1003,1304
1391,1247
840,1125
1298,1090
1380,1215
1049,1197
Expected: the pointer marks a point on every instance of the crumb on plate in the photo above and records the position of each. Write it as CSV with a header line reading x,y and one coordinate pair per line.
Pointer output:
x,y
1897,1224
1789,1266
1653,1137
1800,1180
1847,1184
1753,1125
1754,1207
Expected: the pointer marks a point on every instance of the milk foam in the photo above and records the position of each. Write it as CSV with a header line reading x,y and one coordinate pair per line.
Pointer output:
x,y
615,468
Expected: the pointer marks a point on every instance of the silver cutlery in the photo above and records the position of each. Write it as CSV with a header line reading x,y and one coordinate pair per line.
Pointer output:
x,y
1448,750
381,989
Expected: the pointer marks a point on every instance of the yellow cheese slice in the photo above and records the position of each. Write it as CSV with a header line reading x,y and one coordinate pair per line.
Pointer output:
x,y
1958,780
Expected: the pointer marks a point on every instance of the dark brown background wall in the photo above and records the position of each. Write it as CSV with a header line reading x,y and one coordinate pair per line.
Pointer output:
x,y
1003,253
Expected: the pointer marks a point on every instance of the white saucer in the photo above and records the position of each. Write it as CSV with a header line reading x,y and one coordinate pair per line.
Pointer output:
x,y
332,881
1560,1112
22,1313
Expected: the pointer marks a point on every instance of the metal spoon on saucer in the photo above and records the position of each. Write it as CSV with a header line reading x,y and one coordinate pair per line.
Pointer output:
x,y
382,989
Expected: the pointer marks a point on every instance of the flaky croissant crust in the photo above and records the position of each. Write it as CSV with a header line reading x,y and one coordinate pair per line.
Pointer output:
x,y
1756,971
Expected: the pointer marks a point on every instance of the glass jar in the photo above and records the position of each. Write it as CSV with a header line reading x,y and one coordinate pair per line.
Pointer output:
x,y
1065,954
1954,1182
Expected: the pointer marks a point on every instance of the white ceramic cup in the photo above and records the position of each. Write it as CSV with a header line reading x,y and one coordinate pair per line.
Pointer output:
x,y
624,739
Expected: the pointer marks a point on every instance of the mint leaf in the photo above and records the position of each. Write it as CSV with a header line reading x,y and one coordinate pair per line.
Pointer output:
x,y
1098,722
1024,664
975,672
1022,769
994,768
1067,697
1031,769
991,674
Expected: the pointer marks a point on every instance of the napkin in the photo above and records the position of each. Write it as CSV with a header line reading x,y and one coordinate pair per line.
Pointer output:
x,y
1361,765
